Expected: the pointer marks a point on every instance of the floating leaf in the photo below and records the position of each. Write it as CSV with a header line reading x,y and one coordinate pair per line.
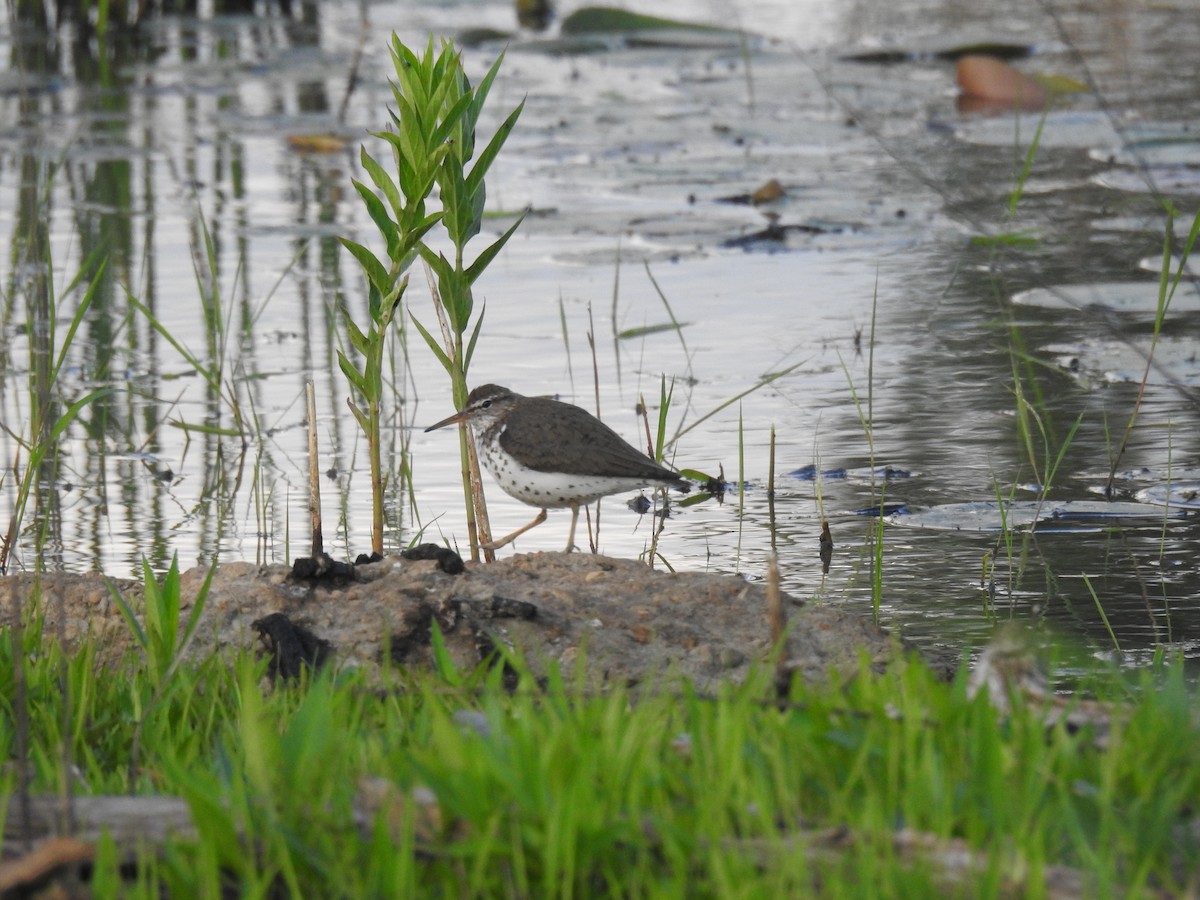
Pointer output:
x,y
650,329
990,516
1060,84
1014,239
317,143
1182,495
988,78
603,19
1118,296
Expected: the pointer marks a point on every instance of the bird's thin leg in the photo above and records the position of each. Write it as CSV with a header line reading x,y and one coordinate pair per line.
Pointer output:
x,y
496,545
574,521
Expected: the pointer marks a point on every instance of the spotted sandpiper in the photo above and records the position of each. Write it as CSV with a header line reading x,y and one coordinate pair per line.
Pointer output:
x,y
553,455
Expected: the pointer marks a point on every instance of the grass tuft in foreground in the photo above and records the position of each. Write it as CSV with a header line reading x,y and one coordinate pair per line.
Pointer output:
x,y
893,785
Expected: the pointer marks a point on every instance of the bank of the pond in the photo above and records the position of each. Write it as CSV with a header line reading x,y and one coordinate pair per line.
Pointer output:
x,y
624,622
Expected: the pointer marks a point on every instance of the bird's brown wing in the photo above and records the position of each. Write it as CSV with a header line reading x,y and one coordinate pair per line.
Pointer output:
x,y
553,436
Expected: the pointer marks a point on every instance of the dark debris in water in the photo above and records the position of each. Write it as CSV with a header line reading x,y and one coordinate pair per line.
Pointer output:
x,y
773,236
810,473
888,509
640,504
1005,50
769,192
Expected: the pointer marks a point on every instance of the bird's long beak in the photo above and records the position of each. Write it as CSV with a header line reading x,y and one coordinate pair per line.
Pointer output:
x,y
450,420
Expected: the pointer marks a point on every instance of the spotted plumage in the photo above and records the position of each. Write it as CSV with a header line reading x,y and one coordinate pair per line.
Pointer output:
x,y
553,455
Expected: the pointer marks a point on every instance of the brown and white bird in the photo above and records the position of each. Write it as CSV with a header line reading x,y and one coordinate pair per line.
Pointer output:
x,y
553,455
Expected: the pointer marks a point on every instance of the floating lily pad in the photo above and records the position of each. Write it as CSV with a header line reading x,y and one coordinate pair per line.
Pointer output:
x,y
950,48
1155,144
1117,296
1158,155
1063,128
1191,268
476,37
1176,361
1172,180
1182,495
974,516
990,515
647,30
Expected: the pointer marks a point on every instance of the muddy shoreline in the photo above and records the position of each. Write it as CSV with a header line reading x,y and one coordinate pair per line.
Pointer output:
x,y
625,623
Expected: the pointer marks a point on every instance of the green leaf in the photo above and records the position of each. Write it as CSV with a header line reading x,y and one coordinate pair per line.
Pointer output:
x,y
664,405
1015,239
360,341
77,320
443,662
1058,85
485,87
476,268
127,614
383,181
488,156
415,233
393,300
374,269
474,212
440,265
403,59
152,601
450,120
363,422
474,337
433,344
169,601
650,329
352,374
454,289
379,215
450,185
447,287
205,371
60,425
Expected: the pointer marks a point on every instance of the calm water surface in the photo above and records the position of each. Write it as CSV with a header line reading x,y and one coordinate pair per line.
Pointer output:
x,y
170,162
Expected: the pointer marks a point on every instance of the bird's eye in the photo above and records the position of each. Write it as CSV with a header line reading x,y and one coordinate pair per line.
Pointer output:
x,y
485,404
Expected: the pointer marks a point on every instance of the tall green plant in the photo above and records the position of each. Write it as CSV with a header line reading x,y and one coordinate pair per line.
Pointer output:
x,y
419,133
432,139
441,88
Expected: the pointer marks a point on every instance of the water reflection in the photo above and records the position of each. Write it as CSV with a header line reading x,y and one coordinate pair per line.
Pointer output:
x,y
149,170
